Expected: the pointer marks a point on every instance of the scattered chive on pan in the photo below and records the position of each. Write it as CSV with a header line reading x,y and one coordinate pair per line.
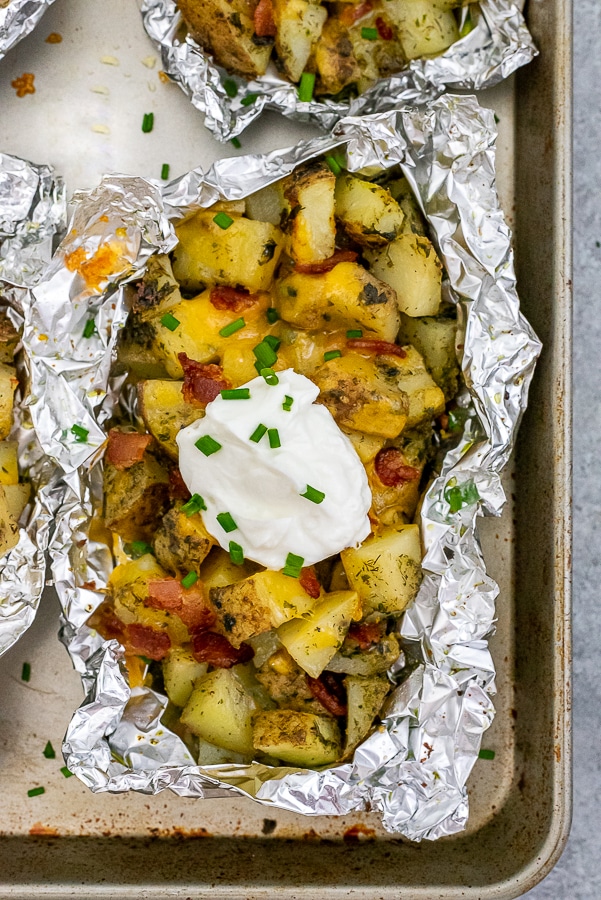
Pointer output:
x,y
165,171
189,580
170,322
236,394
49,751
272,315
81,434
223,220
230,87
258,433
148,122
354,333
274,438
232,328
486,754
207,445
270,377
314,495
89,328
226,520
369,34
26,672
235,143
193,505
293,565
249,99
236,553
331,354
66,772
306,87
287,404
35,792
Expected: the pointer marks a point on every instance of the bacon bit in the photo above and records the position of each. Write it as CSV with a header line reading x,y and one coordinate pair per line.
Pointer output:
x,y
201,383
216,650
309,582
148,641
391,468
366,634
232,299
326,265
126,448
166,593
54,38
380,348
263,20
384,29
195,613
189,604
329,692
23,84
178,490
351,13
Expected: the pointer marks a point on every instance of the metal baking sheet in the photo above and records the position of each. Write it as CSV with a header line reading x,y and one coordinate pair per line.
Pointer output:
x,y
69,843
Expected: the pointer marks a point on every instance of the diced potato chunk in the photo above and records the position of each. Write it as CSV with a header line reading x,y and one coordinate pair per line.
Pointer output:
x,y
367,446
426,400
435,339
128,588
334,58
9,467
180,671
268,204
311,224
367,211
9,338
297,738
386,569
424,28
135,498
165,411
17,498
209,755
374,661
220,711
218,570
9,528
158,291
410,265
298,25
414,221
181,542
365,697
8,386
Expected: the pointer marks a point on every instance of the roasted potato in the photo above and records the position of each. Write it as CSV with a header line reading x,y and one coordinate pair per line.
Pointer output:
x,y
426,400
297,738
310,224
180,672
335,59
298,25
135,498
9,527
8,386
181,542
386,569
424,27
411,266
158,290
128,589
9,467
368,212
165,412
435,339
220,710
365,697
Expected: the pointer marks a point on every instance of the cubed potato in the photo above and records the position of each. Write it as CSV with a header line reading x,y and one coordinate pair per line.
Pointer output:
x,y
298,26
220,711
410,265
135,350
158,290
336,64
313,640
264,645
165,412
245,254
17,498
268,205
424,28
226,29
345,297
367,446
289,689
9,467
426,400
297,738
338,580
365,697
311,224
180,671
218,569
181,542
414,221
9,527
8,386
435,339
386,569
376,58
209,755
257,604
361,397
394,504
135,498
366,663
9,338
368,212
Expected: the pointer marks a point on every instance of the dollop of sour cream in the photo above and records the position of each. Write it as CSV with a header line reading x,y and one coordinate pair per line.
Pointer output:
x,y
261,486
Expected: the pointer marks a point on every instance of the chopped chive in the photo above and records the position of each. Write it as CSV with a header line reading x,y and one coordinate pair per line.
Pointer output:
x,y
331,354
272,315
35,792
235,143
293,565
265,354
236,394
89,328
148,122
189,580
230,87
457,418
249,99
273,342
258,433
287,404
467,26
49,751
274,438
207,445
194,505
369,34
81,434
333,164
226,521
487,754
354,333
66,772
236,553
170,322
461,495
165,171
306,86
232,328
137,549
313,495
223,220
26,672
270,377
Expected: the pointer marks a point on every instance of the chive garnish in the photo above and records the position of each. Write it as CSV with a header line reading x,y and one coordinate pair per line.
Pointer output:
x,y
293,565
273,342
258,433
265,354
89,328
165,171
137,549
235,143
170,322
274,438
369,34
49,751
223,220
270,377
35,792
193,505
207,445
249,99
232,328
230,87
458,418
331,354
272,315
306,87
236,553
313,494
236,394
287,404
333,164
66,772
189,580
148,122
354,333
81,434
226,520
467,26
26,672
461,495
487,754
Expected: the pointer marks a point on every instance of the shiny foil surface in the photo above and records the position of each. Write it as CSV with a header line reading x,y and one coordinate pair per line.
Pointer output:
x,y
498,44
32,218
17,19
414,767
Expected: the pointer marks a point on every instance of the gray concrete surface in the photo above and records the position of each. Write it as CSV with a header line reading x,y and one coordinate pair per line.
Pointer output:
x,y
577,876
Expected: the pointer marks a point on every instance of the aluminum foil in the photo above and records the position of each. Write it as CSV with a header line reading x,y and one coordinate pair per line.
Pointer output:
x,y
413,768
32,217
498,44
17,19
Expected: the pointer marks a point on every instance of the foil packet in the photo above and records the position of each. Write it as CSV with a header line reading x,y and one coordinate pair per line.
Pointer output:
x,y
18,18
414,767
32,217
497,44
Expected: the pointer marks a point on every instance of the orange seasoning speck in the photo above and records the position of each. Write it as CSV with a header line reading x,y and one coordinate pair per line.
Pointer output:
x,y
96,270
54,38
23,84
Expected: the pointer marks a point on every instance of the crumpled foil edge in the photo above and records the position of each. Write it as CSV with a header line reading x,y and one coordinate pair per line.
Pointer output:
x,y
18,19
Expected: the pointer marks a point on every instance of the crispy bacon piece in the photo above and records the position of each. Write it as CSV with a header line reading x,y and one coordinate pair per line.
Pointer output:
x,y
126,448
178,490
216,650
201,383
263,20
148,641
309,582
329,691
366,633
379,348
233,299
384,29
392,470
352,13
326,265
165,593
187,603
